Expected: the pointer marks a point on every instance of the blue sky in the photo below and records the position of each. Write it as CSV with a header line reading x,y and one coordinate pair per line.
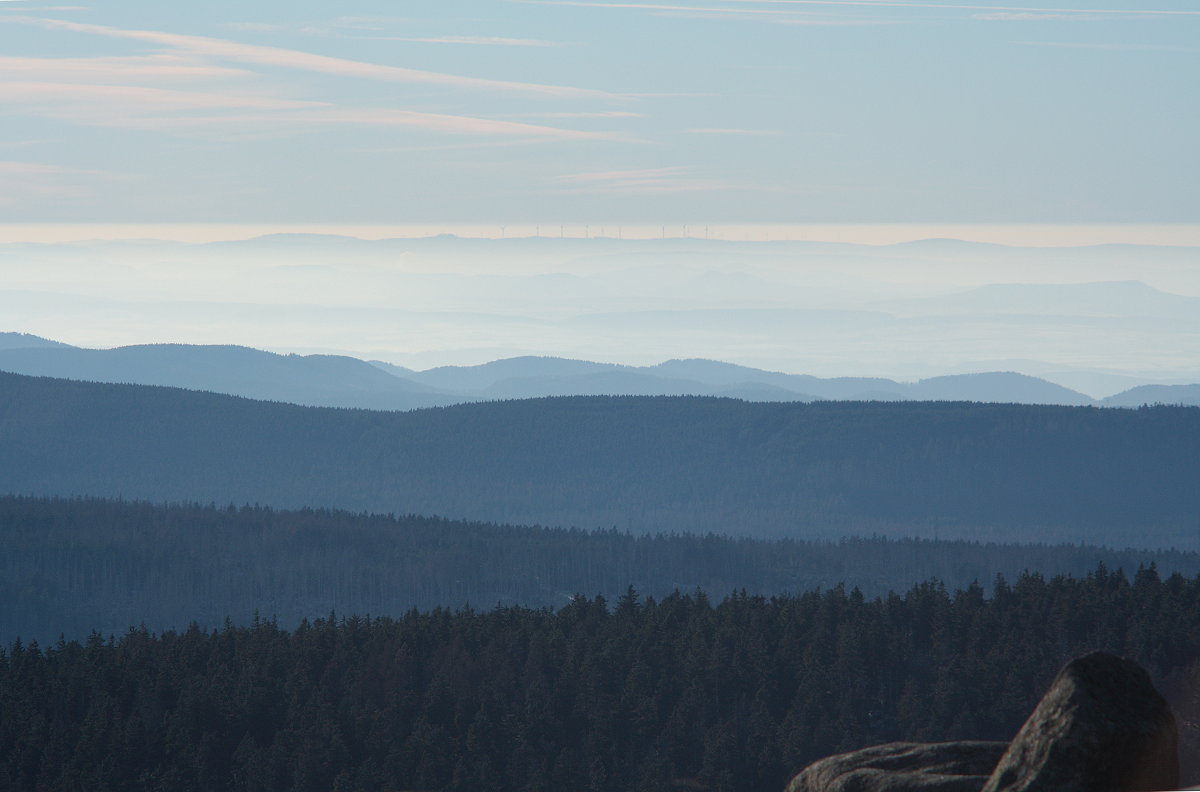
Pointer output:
x,y
671,111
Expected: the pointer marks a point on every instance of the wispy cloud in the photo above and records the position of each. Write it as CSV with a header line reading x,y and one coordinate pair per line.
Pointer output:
x,y
736,14
583,114
295,59
972,7
733,131
493,143
254,27
433,122
174,91
485,41
67,100
102,69
878,4
674,179
145,108
1026,16
665,7
11,167
1107,47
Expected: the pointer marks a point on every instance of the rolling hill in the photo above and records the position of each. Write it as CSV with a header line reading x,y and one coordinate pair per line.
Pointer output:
x,y
644,464
317,380
341,381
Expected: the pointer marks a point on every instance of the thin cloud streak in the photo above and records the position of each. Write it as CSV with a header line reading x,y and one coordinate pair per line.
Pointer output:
x,y
779,20
584,114
486,41
661,7
139,99
10,167
107,68
135,107
863,3
305,61
962,7
1024,16
1107,47
253,27
733,131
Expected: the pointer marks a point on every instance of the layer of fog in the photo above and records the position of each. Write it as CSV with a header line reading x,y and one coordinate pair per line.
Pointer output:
x,y
1097,319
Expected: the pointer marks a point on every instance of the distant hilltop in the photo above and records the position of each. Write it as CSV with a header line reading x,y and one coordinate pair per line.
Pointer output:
x,y
343,381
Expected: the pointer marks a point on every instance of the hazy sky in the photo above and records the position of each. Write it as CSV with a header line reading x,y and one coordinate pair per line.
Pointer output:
x,y
565,111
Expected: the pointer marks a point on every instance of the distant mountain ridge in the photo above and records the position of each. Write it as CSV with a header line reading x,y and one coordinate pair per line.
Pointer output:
x,y
313,380
1155,394
26,341
343,381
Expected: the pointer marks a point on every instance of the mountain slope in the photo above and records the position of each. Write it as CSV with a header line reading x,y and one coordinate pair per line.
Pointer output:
x,y
532,377
26,341
995,387
1155,394
827,469
318,380
339,381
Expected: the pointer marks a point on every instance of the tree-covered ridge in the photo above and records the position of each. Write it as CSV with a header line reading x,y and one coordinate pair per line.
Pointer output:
x,y
629,695
71,566
645,464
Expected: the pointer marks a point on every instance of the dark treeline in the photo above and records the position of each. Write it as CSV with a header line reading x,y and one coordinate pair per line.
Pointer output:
x,y
610,697
1005,473
71,566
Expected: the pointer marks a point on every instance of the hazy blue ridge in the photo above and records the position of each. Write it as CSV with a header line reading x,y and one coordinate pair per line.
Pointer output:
x,y
1155,394
994,386
644,464
529,377
342,381
26,341
318,380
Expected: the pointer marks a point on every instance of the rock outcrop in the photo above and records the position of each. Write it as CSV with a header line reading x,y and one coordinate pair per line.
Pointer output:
x,y
904,767
1102,727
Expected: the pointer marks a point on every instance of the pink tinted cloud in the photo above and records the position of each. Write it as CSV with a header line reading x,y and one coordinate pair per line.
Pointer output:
x,y
324,64
139,68
139,107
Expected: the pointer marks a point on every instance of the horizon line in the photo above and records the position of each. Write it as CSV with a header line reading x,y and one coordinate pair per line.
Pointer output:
x,y
1011,234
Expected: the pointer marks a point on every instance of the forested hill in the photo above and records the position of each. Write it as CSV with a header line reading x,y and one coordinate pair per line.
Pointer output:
x,y
991,472
73,566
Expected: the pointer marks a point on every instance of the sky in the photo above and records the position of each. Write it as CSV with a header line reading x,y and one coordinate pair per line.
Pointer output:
x,y
541,113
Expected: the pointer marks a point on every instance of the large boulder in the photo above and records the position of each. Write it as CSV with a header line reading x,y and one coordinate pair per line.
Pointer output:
x,y
904,767
1102,727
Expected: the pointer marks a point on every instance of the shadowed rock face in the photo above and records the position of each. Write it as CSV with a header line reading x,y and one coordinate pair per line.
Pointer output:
x,y
904,767
1102,727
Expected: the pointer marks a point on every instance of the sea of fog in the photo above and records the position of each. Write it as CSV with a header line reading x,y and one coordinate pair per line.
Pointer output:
x,y
1095,317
